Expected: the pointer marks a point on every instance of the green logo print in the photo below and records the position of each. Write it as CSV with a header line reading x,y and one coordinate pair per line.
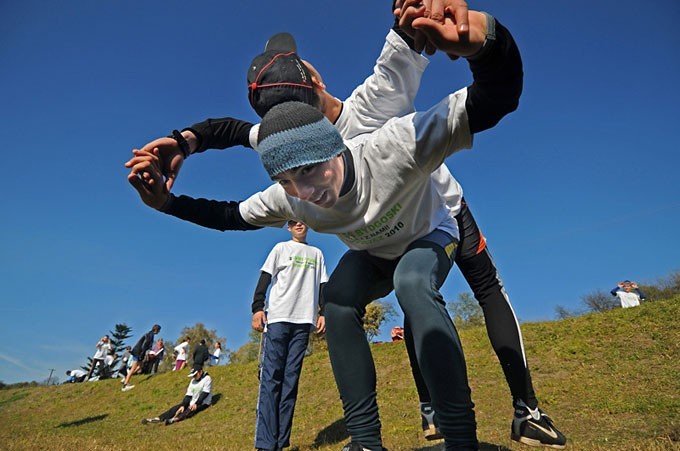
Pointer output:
x,y
303,262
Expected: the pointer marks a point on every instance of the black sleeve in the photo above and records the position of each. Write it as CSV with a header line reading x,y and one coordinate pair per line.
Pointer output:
x,y
322,302
221,133
407,39
261,291
201,398
212,214
186,401
498,78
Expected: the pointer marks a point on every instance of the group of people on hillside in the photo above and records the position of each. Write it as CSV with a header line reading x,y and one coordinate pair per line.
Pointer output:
x,y
371,171
201,354
105,364
144,358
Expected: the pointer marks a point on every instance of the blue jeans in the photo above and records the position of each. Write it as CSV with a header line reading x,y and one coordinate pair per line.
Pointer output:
x,y
416,278
283,351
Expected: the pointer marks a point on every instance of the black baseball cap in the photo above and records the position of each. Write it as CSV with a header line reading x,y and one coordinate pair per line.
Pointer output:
x,y
278,75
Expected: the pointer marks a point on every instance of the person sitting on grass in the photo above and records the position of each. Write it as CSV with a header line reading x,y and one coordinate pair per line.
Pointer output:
x,y
198,397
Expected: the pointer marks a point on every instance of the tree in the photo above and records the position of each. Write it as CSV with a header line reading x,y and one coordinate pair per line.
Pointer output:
x,y
250,351
197,332
563,313
664,288
377,312
466,312
599,301
122,333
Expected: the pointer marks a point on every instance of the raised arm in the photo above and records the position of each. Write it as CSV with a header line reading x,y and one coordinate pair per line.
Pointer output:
x,y
220,133
494,60
436,10
209,134
389,91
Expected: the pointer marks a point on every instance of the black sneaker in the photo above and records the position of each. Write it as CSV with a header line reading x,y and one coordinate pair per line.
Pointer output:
x,y
535,428
429,422
169,421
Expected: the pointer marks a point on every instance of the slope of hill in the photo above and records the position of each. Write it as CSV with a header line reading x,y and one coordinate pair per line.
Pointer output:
x,y
610,380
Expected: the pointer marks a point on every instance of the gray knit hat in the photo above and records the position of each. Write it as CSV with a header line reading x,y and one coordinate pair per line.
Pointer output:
x,y
295,134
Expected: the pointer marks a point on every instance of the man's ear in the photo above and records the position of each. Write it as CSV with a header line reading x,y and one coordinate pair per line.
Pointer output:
x,y
318,83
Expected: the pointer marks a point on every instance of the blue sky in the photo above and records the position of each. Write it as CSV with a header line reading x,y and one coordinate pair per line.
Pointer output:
x,y
575,191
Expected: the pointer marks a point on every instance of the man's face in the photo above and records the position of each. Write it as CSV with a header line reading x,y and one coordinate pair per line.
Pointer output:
x,y
198,375
318,183
298,230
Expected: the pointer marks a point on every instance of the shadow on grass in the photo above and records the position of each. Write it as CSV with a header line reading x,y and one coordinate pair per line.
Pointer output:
x,y
483,446
83,421
15,397
216,398
333,433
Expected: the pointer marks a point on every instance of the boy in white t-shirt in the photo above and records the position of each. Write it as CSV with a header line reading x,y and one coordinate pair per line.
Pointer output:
x,y
296,273
628,293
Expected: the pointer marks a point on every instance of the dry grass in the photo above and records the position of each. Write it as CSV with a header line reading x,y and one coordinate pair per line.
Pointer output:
x,y
611,381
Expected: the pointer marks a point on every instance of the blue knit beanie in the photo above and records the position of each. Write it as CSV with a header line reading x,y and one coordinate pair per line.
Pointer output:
x,y
295,134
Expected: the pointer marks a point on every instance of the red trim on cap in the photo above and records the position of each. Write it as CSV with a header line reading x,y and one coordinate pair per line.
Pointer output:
x,y
269,85
254,85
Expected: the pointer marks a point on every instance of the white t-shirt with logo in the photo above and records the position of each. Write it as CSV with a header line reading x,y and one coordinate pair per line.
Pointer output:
x,y
197,387
297,270
402,191
393,200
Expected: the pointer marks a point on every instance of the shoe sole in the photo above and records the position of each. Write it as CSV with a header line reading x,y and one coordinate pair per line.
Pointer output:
x,y
534,442
433,434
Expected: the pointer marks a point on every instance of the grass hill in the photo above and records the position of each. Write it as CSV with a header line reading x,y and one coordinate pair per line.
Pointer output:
x,y
610,380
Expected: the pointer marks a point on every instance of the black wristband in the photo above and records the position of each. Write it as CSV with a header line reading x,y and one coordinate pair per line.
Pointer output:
x,y
183,144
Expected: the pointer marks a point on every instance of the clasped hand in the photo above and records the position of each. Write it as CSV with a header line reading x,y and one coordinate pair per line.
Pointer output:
x,y
444,25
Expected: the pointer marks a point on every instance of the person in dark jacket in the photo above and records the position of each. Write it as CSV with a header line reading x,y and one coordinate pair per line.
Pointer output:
x,y
137,355
201,354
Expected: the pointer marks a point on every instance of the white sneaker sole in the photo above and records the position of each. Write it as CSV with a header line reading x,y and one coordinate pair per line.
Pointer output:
x,y
534,442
